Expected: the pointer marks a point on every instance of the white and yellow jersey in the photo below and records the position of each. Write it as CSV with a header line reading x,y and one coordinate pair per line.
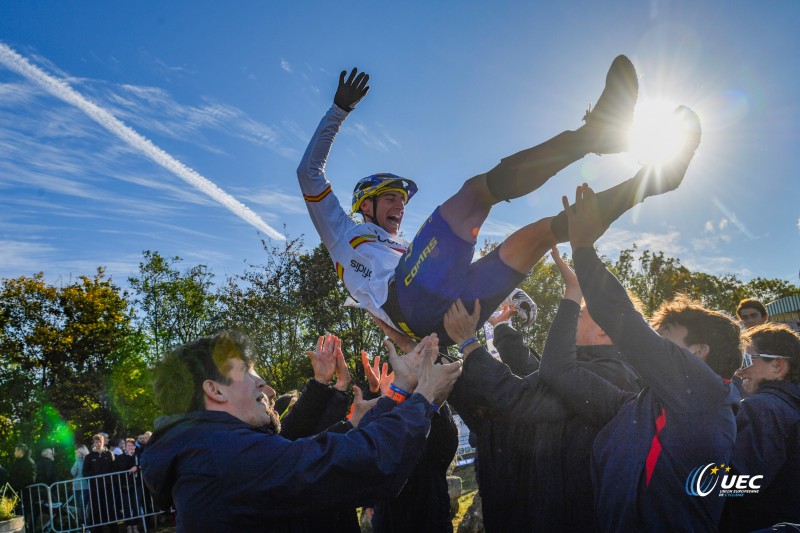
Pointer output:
x,y
364,255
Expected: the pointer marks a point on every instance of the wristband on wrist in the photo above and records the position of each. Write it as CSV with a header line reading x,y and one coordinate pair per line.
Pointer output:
x,y
467,343
435,406
398,390
398,397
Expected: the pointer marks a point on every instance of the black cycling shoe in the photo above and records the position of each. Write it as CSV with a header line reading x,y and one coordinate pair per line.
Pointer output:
x,y
608,122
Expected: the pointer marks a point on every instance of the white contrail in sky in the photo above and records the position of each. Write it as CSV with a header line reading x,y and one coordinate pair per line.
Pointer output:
x,y
61,90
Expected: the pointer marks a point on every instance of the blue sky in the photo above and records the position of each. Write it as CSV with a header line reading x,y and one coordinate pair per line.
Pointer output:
x,y
178,126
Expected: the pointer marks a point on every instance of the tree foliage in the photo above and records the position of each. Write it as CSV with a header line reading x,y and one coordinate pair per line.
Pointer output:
x,y
174,307
59,346
285,304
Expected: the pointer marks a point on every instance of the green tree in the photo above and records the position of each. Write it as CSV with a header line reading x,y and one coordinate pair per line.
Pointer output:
x,y
173,307
59,346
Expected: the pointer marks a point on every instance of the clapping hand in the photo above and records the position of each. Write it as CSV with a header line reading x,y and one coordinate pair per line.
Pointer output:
x,y
323,359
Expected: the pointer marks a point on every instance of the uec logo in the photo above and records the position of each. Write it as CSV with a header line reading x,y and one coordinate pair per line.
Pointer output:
x,y
703,480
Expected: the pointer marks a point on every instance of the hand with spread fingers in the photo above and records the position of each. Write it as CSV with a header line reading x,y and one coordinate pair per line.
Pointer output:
x,y
378,377
584,218
406,367
351,92
572,289
460,324
323,359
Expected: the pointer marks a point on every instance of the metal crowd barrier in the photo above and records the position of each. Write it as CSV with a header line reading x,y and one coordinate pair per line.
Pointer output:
x,y
114,498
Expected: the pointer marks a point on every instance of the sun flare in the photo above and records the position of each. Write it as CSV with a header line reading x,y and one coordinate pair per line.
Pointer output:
x,y
657,133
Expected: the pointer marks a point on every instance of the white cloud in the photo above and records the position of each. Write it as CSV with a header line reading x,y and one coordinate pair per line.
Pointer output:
x,y
616,239
59,89
24,256
286,203
366,137
497,230
723,224
709,228
286,66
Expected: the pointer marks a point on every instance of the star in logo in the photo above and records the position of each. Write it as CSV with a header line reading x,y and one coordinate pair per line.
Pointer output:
x,y
728,469
714,470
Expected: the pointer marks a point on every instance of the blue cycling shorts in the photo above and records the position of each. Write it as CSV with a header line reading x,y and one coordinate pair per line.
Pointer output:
x,y
437,269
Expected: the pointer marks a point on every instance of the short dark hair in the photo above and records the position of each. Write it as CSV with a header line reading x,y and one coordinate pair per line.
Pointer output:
x,y
718,331
753,304
285,401
777,339
178,378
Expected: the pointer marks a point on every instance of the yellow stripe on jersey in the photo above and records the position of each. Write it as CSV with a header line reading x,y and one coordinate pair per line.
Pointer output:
x,y
355,242
319,197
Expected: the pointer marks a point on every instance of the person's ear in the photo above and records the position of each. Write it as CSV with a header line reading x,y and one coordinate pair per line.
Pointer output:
x,y
780,368
700,350
213,392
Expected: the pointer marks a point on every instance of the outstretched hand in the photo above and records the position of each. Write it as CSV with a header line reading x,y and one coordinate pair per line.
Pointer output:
x,y
572,289
435,381
504,316
584,218
406,367
360,407
378,377
342,372
323,359
351,92
459,324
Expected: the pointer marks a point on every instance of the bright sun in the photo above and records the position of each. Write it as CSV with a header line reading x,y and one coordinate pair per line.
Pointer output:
x,y
657,134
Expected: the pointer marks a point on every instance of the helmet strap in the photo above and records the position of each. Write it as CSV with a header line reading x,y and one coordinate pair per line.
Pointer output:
x,y
374,216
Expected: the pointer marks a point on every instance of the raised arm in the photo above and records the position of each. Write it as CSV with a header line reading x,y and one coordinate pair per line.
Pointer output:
x,y
328,217
585,392
485,382
673,373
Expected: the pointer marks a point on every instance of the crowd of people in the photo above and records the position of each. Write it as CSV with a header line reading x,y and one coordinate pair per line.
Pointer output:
x,y
99,496
621,424
688,420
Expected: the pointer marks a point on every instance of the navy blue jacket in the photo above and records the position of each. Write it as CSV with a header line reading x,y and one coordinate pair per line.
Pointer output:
x,y
682,419
767,444
533,450
225,475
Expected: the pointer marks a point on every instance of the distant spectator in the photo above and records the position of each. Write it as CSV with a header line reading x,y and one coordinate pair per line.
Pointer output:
x,y
46,467
129,495
80,487
119,449
98,462
22,474
751,313
23,469
768,431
